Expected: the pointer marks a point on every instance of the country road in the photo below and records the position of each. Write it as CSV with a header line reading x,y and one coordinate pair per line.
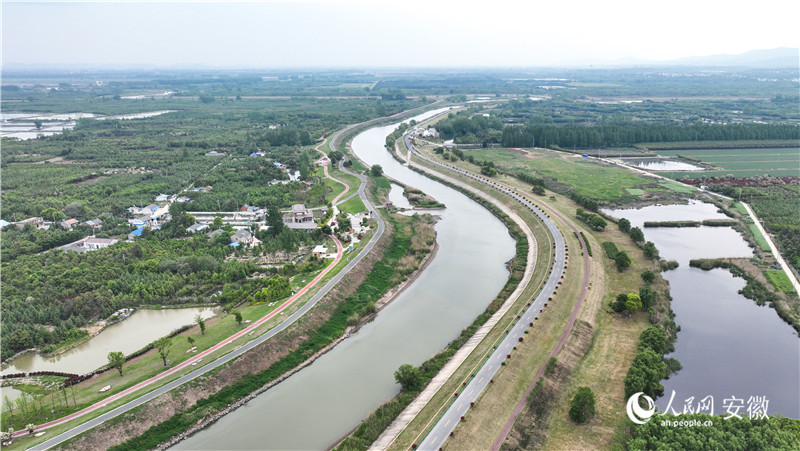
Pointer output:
x,y
232,355
438,434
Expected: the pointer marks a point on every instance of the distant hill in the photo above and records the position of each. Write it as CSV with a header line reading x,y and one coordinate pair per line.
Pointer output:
x,y
779,57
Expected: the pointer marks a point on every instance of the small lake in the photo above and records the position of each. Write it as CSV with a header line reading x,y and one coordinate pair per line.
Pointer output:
x,y
21,125
728,345
660,164
127,336
397,198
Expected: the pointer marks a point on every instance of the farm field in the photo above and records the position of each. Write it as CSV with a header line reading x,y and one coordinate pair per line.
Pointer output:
x,y
777,162
591,179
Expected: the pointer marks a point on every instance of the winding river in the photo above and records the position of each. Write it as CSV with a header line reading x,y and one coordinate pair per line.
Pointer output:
x,y
321,403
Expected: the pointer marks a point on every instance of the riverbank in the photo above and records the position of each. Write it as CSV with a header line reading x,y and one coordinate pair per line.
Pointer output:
x,y
275,360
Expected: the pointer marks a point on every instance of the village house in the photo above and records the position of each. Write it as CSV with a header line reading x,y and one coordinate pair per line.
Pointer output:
x,y
95,223
183,199
213,234
199,227
69,223
92,243
163,198
319,251
242,237
34,221
301,214
214,153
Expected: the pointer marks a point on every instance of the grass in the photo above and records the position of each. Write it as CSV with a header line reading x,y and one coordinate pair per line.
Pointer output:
x,y
779,280
676,187
590,178
740,208
762,242
750,162
353,206
635,191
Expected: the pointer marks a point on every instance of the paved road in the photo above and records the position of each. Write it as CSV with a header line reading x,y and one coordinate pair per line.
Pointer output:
x,y
484,376
230,356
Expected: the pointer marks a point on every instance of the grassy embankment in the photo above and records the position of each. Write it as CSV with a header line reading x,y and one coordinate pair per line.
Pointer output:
x,y
614,343
376,422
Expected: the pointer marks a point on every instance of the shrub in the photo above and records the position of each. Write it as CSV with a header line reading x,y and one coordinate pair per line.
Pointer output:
x,y
582,405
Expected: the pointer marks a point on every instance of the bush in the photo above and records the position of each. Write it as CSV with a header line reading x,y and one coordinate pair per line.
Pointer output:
x,y
582,405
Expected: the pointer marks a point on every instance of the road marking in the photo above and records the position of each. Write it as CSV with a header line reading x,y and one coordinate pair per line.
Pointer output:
x,y
481,380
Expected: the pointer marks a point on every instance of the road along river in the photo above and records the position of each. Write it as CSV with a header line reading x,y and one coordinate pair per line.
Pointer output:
x,y
321,403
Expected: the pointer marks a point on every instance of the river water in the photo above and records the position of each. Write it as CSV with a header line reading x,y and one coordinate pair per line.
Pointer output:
x,y
728,346
127,336
318,405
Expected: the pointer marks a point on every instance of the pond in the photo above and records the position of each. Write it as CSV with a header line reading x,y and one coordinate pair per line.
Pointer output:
x,y
728,345
397,198
127,336
660,164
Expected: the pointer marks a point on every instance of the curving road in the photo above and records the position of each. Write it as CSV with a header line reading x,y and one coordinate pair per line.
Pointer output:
x,y
436,437
231,355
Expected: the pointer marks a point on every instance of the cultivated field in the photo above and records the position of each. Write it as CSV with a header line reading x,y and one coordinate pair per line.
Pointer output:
x,y
777,162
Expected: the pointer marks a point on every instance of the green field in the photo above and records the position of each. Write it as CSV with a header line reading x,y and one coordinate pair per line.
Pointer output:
x,y
353,206
677,187
780,280
778,162
590,178
762,242
634,191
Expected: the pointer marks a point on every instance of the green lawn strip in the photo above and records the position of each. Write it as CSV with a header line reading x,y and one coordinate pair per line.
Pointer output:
x,y
635,191
762,242
677,187
353,206
740,208
780,280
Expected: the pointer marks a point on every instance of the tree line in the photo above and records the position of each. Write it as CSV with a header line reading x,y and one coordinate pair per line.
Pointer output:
x,y
601,136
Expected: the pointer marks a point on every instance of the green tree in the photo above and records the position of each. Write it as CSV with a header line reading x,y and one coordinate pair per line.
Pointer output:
x,y
52,214
624,225
19,340
645,374
274,220
37,123
597,223
217,222
163,346
633,303
200,322
582,405
648,276
619,304
653,338
376,170
622,260
116,359
237,315
636,234
409,377
190,339
650,250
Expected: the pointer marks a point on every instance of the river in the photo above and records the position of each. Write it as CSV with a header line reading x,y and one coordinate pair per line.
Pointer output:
x,y
127,336
728,345
321,403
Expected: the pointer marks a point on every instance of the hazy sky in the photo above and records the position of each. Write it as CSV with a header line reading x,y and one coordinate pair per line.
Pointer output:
x,y
388,32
